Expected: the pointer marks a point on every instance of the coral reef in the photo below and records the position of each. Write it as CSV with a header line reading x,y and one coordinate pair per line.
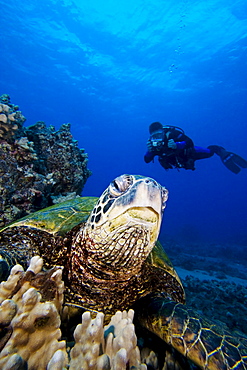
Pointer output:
x,y
31,308
222,301
39,166
30,303
111,347
11,119
221,297
29,319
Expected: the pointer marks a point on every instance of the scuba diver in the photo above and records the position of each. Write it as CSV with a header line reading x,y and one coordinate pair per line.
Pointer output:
x,y
176,150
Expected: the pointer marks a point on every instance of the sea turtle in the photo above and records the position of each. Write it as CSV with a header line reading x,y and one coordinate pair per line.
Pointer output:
x,y
111,260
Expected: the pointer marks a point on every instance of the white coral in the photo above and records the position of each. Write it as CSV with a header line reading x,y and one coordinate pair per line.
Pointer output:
x,y
33,333
32,326
113,347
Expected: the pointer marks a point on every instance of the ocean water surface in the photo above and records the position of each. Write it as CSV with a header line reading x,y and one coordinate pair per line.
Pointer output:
x,y
111,68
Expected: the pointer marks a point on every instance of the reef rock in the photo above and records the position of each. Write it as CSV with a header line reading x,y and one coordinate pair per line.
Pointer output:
x,y
39,166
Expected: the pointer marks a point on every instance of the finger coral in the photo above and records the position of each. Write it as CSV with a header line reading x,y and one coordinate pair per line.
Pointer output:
x,y
30,335
113,347
30,324
11,119
39,166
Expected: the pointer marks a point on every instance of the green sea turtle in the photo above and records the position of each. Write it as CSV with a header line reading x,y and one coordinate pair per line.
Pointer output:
x,y
111,260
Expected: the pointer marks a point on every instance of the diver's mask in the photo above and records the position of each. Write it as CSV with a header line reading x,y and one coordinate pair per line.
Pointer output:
x,y
157,139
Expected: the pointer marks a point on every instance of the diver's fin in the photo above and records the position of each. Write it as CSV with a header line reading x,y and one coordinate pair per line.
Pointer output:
x,y
231,160
241,162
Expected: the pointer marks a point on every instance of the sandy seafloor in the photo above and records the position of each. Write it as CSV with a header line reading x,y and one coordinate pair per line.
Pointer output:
x,y
215,285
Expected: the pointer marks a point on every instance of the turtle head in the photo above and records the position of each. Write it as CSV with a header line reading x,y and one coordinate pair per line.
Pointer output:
x,y
124,225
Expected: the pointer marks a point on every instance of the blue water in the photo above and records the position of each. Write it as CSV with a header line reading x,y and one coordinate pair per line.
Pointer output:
x,y
110,68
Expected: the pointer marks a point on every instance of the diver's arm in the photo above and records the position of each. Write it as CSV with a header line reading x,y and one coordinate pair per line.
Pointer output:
x,y
176,144
151,152
149,156
178,140
180,144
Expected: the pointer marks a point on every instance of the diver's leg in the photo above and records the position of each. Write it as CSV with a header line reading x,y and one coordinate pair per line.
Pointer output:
x,y
202,153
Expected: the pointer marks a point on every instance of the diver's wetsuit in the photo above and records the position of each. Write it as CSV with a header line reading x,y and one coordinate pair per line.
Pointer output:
x,y
186,153
183,156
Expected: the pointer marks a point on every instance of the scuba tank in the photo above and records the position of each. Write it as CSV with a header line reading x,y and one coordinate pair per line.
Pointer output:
x,y
171,128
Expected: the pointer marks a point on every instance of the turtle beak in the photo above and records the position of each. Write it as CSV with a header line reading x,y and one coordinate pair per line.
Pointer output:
x,y
143,195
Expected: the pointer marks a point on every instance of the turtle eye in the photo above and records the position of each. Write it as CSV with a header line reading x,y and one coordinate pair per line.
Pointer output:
x,y
120,185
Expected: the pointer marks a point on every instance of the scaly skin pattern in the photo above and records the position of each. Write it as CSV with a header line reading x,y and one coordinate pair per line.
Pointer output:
x,y
105,259
202,341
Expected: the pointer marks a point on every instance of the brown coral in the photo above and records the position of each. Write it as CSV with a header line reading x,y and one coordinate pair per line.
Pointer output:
x,y
38,165
59,158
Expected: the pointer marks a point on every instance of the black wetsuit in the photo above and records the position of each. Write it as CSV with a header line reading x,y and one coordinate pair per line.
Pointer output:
x,y
183,156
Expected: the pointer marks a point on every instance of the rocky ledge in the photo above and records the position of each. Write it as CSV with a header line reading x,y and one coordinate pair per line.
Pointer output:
x,y
39,166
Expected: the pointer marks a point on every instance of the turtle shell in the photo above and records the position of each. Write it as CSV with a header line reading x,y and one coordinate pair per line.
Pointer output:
x,y
59,218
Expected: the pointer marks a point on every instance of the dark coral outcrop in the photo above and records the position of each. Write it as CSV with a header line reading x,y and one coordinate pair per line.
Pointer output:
x,y
39,166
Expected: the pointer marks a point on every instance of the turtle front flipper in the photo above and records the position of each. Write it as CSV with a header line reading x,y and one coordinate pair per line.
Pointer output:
x,y
202,341
14,249
5,266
